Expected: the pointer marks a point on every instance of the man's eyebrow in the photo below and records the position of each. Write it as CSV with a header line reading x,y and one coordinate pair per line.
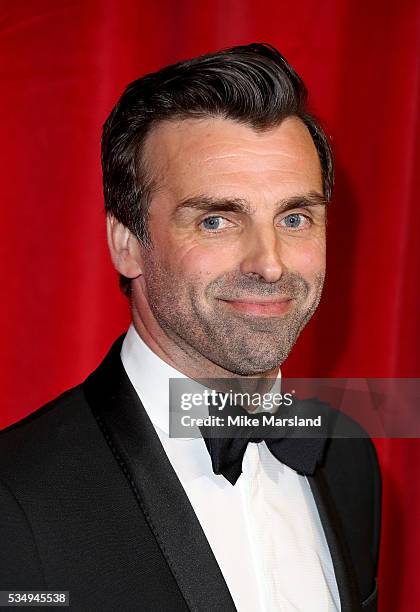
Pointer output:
x,y
312,198
213,204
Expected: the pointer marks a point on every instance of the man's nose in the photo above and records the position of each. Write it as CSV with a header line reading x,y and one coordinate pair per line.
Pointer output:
x,y
262,254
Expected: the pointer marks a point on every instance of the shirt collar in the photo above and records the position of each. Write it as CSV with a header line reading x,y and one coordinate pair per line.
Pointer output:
x,y
150,375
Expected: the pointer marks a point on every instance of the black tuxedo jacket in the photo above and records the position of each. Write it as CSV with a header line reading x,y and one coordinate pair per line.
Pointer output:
x,y
89,503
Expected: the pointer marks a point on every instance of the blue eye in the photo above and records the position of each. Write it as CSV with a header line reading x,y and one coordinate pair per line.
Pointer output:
x,y
293,221
211,223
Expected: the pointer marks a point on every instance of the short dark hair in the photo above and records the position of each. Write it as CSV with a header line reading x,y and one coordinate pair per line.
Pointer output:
x,y
252,84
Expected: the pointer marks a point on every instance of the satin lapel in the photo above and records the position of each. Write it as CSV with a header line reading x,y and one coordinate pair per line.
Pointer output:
x,y
343,567
161,497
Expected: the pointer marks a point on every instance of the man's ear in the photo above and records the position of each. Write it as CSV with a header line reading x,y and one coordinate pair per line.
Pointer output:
x,y
124,248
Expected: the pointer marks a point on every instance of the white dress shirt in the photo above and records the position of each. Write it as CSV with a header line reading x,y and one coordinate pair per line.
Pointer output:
x,y
265,531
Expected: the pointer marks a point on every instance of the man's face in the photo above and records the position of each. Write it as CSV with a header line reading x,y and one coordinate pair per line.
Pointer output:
x,y
237,222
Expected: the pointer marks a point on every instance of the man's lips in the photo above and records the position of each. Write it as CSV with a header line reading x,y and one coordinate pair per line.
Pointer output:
x,y
260,306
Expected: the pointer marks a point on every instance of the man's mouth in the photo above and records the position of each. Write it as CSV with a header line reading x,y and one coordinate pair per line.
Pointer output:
x,y
262,307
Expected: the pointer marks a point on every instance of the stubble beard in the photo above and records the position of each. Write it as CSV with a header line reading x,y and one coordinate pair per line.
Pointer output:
x,y
194,317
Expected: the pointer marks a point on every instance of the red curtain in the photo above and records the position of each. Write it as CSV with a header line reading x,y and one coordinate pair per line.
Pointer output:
x,y
63,65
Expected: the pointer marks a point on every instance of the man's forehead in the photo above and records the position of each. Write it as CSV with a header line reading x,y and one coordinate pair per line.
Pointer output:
x,y
183,148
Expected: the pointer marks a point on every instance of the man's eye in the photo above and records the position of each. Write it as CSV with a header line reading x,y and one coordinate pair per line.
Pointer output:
x,y
296,221
213,223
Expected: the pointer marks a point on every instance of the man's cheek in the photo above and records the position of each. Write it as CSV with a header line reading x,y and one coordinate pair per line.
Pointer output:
x,y
306,259
203,263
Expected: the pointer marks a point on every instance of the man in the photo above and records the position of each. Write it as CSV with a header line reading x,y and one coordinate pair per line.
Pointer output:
x,y
216,183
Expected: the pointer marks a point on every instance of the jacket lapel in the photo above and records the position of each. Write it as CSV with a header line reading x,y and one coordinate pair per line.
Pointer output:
x,y
343,567
137,448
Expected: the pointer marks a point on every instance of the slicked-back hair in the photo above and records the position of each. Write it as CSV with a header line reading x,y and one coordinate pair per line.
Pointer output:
x,y
251,84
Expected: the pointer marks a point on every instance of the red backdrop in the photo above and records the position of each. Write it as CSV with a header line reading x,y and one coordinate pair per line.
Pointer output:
x,y
63,65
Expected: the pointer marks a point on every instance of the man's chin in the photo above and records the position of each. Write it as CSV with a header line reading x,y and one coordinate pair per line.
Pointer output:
x,y
250,364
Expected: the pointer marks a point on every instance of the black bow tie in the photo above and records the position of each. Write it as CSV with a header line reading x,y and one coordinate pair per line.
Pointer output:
x,y
302,454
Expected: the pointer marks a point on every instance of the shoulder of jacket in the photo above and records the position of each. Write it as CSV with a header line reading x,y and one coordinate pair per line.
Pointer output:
x,y
40,434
